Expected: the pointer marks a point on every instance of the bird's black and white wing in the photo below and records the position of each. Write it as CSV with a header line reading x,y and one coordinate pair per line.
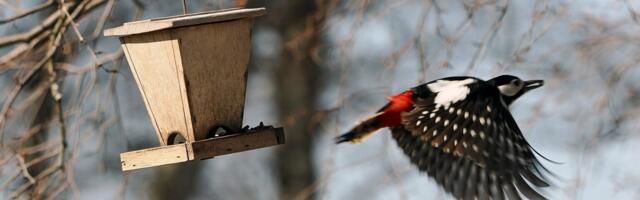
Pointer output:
x,y
462,134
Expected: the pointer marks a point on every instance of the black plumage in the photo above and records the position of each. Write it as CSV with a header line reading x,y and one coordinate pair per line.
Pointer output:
x,y
460,132
473,148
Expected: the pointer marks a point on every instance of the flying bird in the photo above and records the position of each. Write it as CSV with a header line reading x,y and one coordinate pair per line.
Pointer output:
x,y
460,132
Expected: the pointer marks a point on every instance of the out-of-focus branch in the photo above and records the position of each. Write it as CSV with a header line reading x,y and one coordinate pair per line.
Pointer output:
x,y
103,19
27,35
99,63
58,30
69,19
31,39
488,37
25,171
27,12
20,49
43,40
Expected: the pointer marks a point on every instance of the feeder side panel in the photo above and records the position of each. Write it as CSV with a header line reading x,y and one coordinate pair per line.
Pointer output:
x,y
146,103
215,58
152,60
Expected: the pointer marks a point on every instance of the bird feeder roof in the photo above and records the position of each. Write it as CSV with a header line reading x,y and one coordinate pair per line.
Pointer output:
x,y
157,24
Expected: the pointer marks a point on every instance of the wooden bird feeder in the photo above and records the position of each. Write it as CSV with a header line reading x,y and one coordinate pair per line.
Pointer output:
x,y
192,73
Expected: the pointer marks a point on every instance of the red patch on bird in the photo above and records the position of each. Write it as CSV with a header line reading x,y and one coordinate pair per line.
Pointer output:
x,y
402,102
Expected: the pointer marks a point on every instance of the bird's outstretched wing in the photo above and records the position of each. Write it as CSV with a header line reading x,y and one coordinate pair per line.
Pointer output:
x,y
472,147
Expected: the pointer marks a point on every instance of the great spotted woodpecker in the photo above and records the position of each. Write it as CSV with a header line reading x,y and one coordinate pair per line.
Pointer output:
x,y
460,132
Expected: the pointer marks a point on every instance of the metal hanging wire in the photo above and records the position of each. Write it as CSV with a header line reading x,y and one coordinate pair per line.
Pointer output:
x,y
184,7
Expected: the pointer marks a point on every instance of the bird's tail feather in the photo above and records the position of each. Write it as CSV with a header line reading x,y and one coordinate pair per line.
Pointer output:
x,y
361,131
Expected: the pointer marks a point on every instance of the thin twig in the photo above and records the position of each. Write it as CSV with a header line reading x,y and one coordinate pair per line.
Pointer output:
x,y
27,35
488,37
25,171
73,24
27,12
85,6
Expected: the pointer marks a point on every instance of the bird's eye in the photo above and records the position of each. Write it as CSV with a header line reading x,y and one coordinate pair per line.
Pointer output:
x,y
516,82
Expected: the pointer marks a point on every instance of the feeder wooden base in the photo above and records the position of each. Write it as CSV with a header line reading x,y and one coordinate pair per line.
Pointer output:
x,y
203,149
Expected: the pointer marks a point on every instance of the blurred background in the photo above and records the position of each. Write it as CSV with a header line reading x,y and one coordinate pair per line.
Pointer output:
x,y
317,68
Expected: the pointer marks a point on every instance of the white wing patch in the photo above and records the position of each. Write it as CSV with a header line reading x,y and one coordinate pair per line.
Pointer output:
x,y
450,91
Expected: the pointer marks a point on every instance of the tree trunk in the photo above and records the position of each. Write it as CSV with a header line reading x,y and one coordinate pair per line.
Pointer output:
x,y
298,86
177,181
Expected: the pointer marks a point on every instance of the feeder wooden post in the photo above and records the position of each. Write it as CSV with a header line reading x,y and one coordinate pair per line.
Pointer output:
x,y
192,73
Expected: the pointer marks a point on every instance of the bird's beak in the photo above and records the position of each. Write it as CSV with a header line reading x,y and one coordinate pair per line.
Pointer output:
x,y
532,84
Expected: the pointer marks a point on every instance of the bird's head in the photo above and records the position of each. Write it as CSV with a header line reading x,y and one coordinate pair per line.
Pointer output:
x,y
512,87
